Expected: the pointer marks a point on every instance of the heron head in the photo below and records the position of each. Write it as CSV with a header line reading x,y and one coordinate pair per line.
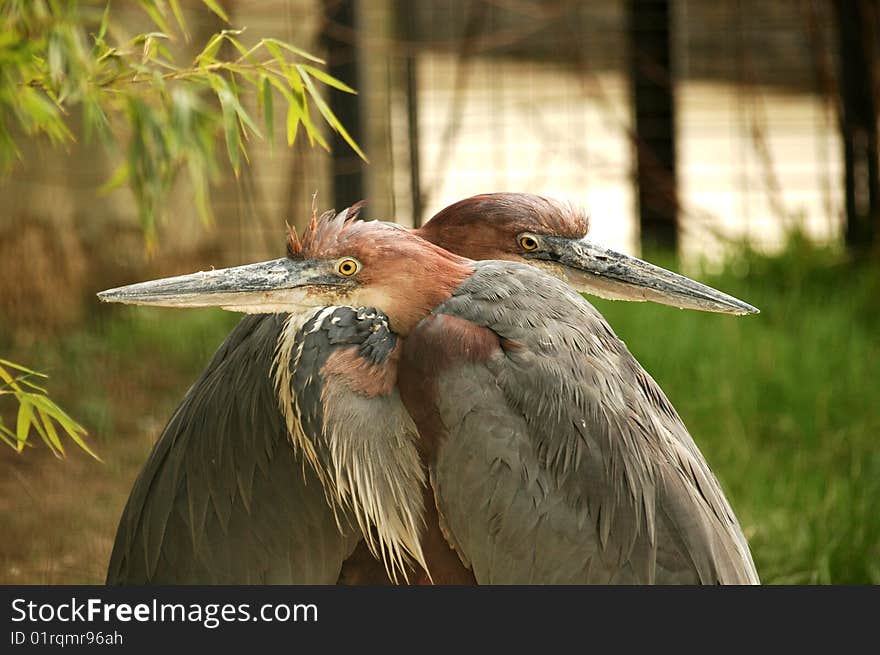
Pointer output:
x,y
553,236
338,260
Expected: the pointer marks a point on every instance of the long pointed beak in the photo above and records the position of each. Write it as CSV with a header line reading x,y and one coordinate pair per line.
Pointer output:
x,y
254,288
609,274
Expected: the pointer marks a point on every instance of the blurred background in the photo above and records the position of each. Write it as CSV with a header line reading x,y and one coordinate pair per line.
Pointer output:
x,y
735,140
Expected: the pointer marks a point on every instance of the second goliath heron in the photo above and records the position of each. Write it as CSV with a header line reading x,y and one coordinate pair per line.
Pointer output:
x,y
553,456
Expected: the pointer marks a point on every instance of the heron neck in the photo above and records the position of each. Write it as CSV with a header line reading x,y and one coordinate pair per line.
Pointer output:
x,y
429,283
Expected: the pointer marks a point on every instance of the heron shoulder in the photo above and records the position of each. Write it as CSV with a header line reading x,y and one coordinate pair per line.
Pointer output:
x,y
601,428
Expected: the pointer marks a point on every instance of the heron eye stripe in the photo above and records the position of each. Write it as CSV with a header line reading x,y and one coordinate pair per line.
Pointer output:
x,y
528,243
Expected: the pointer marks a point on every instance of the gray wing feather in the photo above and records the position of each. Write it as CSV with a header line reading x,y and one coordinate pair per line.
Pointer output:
x,y
224,498
564,461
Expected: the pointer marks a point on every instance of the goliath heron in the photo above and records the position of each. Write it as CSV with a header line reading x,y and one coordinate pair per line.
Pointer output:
x,y
624,493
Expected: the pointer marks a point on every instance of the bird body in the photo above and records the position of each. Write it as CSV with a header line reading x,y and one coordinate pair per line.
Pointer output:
x,y
394,411
553,455
223,497
231,493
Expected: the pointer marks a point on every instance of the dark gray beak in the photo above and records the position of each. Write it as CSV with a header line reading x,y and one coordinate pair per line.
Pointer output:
x,y
609,274
265,287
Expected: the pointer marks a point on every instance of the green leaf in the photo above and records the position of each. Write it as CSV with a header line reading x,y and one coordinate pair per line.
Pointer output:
x,y
207,55
51,432
244,52
178,15
19,367
275,51
285,91
77,439
7,436
73,429
155,14
95,121
33,386
43,435
230,127
8,379
328,114
217,9
248,54
293,116
268,109
291,48
119,177
327,79
314,134
23,423
105,21
296,96
243,115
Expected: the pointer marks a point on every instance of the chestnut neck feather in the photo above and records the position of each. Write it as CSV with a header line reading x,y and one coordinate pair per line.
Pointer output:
x,y
408,277
351,369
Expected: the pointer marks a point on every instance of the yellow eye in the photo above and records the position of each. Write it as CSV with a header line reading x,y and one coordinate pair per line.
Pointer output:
x,y
347,267
528,243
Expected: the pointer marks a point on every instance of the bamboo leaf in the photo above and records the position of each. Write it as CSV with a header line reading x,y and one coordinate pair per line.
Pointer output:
x,y
23,422
293,117
77,439
7,436
178,15
268,109
207,55
285,91
299,99
8,379
73,429
24,369
48,405
276,53
51,432
155,14
119,177
327,79
240,111
244,52
33,386
43,435
328,114
217,9
105,21
291,48
230,127
248,54
313,134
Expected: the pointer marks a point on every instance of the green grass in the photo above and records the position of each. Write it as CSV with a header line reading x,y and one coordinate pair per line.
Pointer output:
x,y
144,351
121,376
784,405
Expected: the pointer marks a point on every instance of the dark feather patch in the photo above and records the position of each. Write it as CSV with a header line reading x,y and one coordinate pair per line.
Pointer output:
x,y
366,328
224,498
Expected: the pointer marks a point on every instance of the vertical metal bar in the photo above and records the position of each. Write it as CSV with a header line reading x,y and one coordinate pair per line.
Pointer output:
x,y
409,32
341,39
858,120
654,108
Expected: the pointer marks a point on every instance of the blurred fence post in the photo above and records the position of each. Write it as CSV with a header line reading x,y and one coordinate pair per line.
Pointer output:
x,y
408,30
857,37
341,38
654,105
